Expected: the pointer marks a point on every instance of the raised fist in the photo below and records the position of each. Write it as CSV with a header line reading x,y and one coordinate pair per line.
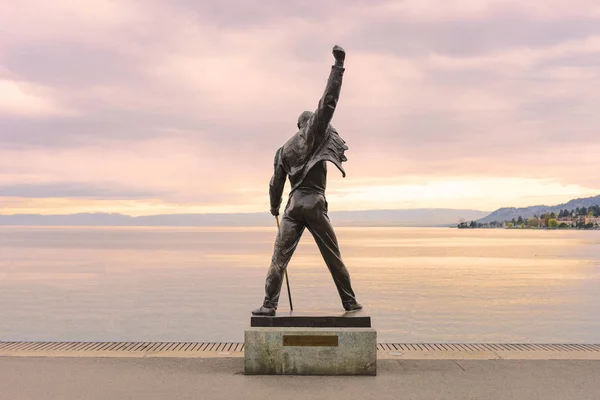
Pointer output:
x,y
339,53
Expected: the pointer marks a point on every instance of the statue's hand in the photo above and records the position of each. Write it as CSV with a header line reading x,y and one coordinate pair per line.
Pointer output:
x,y
274,212
339,53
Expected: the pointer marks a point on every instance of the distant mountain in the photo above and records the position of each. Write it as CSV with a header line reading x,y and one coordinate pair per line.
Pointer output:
x,y
508,213
413,217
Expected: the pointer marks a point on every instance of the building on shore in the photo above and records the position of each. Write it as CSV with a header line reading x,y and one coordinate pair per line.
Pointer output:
x,y
591,220
567,221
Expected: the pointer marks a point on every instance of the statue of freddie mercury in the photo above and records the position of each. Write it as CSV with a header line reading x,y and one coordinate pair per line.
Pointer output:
x,y
303,159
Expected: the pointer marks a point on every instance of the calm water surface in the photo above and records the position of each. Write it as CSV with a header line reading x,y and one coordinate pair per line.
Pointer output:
x,y
199,284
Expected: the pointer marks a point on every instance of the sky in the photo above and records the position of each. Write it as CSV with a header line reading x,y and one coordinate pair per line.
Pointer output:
x,y
150,107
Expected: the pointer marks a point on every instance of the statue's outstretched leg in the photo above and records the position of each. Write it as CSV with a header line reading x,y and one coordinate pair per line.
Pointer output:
x,y
319,225
290,232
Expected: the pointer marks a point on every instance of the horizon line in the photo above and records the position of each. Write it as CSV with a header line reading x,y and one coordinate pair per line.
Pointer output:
x,y
244,213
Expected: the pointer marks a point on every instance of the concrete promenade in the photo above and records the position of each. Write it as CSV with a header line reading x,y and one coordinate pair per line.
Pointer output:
x,y
55,378
64,371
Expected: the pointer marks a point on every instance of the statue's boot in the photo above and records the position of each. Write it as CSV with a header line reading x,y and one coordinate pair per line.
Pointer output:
x,y
265,311
352,307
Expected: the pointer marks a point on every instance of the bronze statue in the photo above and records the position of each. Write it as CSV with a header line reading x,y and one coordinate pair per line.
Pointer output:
x,y
303,159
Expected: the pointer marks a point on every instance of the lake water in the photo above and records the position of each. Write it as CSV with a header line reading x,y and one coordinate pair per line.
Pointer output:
x,y
200,284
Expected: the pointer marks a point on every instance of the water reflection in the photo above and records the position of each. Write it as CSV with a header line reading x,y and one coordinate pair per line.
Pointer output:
x,y
191,284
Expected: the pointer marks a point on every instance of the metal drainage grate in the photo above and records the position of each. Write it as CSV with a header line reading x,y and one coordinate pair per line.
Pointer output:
x,y
119,347
479,347
191,349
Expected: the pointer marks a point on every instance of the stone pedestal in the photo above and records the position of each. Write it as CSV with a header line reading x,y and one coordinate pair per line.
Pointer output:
x,y
311,344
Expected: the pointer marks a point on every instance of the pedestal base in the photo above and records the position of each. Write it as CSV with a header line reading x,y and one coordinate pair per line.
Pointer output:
x,y
310,351
314,319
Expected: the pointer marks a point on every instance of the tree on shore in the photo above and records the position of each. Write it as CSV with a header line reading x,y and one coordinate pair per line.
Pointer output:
x,y
533,222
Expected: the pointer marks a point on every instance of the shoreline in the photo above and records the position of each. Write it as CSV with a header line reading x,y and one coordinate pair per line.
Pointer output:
x,y
537,229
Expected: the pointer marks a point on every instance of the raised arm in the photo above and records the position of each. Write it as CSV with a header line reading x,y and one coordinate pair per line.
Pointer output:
x,y
317,125
277,183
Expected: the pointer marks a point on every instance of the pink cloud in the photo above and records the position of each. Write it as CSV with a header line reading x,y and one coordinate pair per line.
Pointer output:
x,y
189,101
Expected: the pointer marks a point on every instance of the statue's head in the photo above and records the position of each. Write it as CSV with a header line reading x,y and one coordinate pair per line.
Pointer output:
x,y
303,119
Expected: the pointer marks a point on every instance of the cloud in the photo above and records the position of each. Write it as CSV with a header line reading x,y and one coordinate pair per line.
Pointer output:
x,y
72,190
23,99
185,102
453,192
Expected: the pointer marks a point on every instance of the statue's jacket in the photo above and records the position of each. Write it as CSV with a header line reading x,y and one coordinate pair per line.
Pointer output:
x,y
317,141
